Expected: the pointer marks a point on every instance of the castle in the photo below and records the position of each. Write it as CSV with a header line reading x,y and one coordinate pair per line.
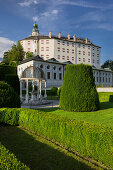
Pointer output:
x,y
51,54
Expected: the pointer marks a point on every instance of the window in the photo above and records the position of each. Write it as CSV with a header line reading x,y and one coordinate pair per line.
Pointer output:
x,y
60,68
60,76
88,53
58,49
88,47
48,67
97,79
63,49
97,61
63,57
54,67
72,58
42,48
72,44
67,43
67,50
29,49
48,75
83,59
47,56
47,41
79,52
58,42
47,48
83,52
93,61
88,60
79,59
63,43
41,66
58,56
78,45
55,76
83,46
72,51
42,41
67,57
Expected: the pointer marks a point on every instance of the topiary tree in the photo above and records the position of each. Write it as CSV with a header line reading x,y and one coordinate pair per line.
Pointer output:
x,y
8,97
78,90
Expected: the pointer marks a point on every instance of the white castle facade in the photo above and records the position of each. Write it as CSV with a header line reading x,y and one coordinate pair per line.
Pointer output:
x,y
53,53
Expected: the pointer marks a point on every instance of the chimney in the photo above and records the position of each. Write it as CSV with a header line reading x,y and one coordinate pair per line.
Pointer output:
x,y
50,34
74,37
59,35
86,40
68,36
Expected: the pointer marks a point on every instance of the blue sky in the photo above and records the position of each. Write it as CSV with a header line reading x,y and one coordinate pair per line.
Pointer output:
x,y
85,18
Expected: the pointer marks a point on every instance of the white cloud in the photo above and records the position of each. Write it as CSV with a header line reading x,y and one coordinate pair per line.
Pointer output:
x,y
5,45
27,3
55,11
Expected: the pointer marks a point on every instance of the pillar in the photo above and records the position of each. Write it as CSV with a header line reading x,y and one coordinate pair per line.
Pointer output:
x,y
40,96
37,91
27,95
45,95
32,94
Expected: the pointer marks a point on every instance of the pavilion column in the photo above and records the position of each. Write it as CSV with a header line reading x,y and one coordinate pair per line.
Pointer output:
x,y
40,96
27,95
45,95
37,90
20,89
32,95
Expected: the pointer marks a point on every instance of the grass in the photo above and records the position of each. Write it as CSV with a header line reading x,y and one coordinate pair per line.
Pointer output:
x,y
38,153
104,116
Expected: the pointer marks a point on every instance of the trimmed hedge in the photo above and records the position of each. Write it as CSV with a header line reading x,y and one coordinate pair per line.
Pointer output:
x,y
8,97
90,140
4,69
78,90
9,161
111,98
13,80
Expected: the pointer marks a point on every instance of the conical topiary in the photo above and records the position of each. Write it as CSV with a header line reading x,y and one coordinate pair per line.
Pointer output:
x,y
78,90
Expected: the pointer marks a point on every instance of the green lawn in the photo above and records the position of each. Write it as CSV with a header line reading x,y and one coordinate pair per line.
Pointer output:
x,y
104,116
38,153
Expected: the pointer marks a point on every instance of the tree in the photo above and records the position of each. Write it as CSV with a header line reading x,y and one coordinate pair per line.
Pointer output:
x,y
78,90
108,64
13,56
29,54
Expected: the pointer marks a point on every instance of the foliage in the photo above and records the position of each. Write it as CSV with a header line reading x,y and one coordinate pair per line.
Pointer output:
x,y
88,139
59,91
111,98
6,69
13,80
54,90
29,54
9,161
108,64
78,90
8,97
14,55
104,96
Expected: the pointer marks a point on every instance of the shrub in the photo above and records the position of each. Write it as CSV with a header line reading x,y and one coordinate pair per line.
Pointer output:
x,y
88,139
111,98
59,91
8,97
78,90
13,80
5,69
54,90
9,161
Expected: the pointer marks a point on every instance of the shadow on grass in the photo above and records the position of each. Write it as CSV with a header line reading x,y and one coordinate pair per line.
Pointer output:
x,y
37,154
106,105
